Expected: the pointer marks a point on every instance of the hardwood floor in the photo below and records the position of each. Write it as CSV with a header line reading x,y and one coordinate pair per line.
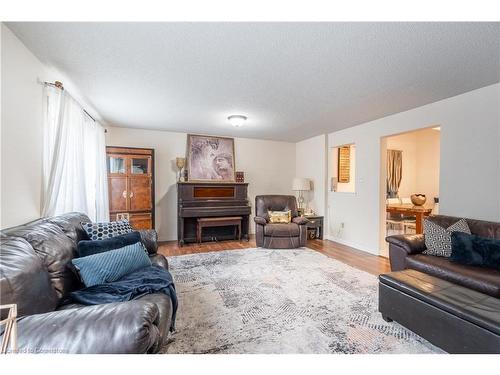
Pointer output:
x,y
355,258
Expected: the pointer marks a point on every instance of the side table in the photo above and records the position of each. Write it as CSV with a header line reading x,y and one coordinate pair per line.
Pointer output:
x,y
315,223
10,331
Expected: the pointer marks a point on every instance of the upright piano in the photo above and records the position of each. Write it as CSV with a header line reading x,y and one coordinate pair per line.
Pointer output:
x,y
196,200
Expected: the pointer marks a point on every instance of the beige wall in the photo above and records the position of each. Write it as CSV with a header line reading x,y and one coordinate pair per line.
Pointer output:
x,y
21,132
310,160
420,162
269,168
344,187
407,143
429,155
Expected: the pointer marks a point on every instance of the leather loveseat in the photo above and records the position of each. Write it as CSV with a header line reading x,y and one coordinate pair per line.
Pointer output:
x,y
278,236
37,275
405,252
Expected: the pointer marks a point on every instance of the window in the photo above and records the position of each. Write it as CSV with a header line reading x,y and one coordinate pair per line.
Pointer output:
x,y
344,169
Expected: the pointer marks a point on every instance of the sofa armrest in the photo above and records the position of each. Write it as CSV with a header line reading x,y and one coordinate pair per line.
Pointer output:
x,y
125,327
300,220
412,243
159,260
401,246
259,220
149,238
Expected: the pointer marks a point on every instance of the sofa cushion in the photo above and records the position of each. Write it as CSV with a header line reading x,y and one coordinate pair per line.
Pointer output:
x,y
282,230
473,250
465,303
438,238
86,248
484,280
112,265
55,249
24,279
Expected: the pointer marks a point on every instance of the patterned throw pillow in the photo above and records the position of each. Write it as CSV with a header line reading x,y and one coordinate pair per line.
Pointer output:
x,y
438,239
112,265
101,231
280,217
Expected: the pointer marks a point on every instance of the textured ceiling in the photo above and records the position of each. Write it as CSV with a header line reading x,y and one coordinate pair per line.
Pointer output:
x,y
292,80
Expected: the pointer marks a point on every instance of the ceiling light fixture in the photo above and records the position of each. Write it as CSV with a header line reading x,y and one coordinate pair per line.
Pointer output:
x,y
237,120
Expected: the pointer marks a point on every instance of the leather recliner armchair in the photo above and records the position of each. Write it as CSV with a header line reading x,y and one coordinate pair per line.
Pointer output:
x,y
36,274
278,236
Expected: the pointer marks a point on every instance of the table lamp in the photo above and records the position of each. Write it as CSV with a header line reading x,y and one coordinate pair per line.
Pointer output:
x,y
301,184
180,163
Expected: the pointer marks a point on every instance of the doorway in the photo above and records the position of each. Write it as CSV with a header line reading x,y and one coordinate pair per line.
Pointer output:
x,y
409,181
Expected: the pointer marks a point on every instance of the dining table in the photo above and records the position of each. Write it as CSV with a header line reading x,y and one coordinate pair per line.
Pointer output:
x,y
408,209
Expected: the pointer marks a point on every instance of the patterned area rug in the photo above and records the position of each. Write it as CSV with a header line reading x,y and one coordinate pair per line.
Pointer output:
x,y
280,301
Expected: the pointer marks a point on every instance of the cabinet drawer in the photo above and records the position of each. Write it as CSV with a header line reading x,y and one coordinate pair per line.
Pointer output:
x,y
137,220
314,223
141,221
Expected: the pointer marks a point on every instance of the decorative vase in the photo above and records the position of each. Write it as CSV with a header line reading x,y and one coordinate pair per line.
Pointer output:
x,y
418,199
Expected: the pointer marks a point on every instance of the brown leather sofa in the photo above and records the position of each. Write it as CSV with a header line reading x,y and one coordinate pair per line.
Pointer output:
x,y
405,252
456,307
278,236
36,274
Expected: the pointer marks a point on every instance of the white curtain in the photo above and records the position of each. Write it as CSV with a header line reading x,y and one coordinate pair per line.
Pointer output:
x,y
74,159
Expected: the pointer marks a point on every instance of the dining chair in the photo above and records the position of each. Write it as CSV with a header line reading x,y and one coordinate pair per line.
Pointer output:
x,y
409,221
394,219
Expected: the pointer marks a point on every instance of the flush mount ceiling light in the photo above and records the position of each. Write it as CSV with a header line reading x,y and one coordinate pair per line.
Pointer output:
x,y
237,120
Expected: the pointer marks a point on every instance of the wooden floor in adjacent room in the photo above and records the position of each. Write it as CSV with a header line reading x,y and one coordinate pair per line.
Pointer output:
x,y
348,255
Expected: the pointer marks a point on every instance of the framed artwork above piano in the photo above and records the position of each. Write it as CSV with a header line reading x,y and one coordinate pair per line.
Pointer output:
x,y
211,199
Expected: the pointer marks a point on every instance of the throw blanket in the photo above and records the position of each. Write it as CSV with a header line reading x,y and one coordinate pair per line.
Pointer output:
x,y
147,280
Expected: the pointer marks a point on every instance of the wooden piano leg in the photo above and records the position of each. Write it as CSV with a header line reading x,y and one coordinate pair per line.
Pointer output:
x,y
198,233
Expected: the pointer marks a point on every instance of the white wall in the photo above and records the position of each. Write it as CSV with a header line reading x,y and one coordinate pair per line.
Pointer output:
x,y
469,165
269,168
311,162
21,131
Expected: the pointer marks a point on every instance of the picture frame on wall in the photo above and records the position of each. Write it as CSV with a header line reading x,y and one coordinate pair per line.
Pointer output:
x,y
210,159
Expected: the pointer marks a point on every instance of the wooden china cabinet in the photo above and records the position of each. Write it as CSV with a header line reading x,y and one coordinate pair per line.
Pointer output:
x,y
131,185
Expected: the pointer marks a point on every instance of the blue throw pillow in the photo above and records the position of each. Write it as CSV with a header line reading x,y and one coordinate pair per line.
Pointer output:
x,y
86,248
112,265
473,250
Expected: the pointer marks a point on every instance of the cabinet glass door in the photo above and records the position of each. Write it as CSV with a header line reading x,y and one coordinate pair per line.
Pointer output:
x,y
116,164
139,166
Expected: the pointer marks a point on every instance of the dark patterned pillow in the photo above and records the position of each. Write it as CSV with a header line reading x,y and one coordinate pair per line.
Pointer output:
x,y
438,239
101,231
86,248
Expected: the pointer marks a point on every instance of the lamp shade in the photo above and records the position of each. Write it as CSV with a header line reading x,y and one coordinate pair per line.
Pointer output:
x,y
301,184
180,162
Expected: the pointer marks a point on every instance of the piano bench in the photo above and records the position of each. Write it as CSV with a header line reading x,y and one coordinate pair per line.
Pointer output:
x,y
207,222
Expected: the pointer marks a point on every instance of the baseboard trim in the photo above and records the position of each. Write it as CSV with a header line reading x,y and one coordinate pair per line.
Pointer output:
x,y
352,244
